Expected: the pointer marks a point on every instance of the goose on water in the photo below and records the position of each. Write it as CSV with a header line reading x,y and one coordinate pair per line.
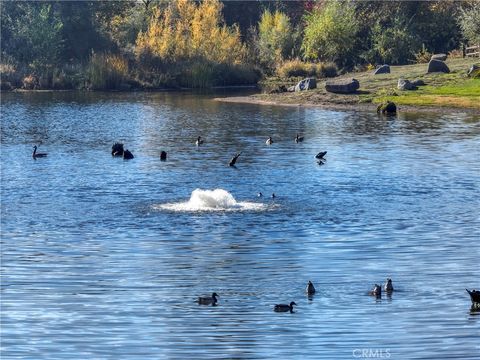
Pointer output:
x,y
127,155
37,155
117,149
388,286
474,296
209,300
298,138
310,289
376,291
321,155
284,307
234,159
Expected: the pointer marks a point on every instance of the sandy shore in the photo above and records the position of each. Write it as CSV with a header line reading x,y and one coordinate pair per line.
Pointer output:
x,y
363,107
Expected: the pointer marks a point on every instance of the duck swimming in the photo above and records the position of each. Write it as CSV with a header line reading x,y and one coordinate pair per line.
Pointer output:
x,y
474,296
234,159
37,155
298,138
310,289
259,194
284,307
208,300
269,141
199,141
388,286
163,156
127,155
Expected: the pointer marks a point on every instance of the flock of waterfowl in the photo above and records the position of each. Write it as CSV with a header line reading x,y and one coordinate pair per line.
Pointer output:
x,y
310,290
118,150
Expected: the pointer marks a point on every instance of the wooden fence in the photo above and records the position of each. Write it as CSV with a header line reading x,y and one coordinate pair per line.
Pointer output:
x,y
472,50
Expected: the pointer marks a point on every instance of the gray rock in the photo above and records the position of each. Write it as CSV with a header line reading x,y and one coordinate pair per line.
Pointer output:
x,y
388,108
405,85
384,69
441,57
418,82
343,86
306,84
437,66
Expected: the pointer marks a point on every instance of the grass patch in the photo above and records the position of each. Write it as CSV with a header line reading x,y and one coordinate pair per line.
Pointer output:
x,y
453,94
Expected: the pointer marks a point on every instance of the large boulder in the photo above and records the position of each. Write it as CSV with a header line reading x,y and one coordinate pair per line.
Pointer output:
x,y
441,57
437,66
306,84
404,84
388,108
384,69
343,86
474,71
418,82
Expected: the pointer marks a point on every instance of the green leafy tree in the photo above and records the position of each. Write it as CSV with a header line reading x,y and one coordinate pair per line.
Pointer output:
x,y
469,21
394,44
275,38
331,33
39,36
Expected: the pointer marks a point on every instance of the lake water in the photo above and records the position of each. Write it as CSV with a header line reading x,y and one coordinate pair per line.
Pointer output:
x,y
104,258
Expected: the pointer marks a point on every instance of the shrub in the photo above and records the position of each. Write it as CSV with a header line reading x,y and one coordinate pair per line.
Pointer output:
x,y
423,56
297,68
106,71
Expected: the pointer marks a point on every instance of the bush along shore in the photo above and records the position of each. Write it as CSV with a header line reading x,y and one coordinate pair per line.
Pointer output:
x,y
152,44
459,88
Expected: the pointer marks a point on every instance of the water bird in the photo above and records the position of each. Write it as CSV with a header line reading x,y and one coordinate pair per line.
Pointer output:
x,y
474,296
273,196
376,291
199,141
259,194
310,289
321,155
269,141
127,155
388,286
298,138
320,162
209,300
37,155
234,159
163,156
117,149
284,307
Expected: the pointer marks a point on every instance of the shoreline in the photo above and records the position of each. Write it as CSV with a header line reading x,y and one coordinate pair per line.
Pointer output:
x,y
362,107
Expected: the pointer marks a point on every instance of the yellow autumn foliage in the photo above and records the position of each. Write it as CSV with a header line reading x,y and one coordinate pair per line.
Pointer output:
x,y
188,30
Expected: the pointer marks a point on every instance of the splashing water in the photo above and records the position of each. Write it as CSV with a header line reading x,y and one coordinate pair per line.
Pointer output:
x,y
212,200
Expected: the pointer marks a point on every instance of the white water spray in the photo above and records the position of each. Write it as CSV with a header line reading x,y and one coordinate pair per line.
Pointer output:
x,y
212,200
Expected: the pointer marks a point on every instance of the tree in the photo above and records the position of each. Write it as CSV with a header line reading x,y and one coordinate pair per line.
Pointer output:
x,y
469,21
37,39
187,30
331,33
275,38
